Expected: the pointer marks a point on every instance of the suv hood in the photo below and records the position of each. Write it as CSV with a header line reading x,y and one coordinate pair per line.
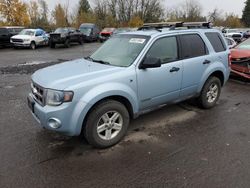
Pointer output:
x,y
64,75
21,37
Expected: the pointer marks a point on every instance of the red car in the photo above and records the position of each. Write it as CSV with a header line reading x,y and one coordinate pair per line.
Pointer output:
x,y
241,59
106,33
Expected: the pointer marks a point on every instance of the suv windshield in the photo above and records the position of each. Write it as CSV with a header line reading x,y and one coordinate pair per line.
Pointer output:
x,y
85,30
62,30
120,50
3,31
27,32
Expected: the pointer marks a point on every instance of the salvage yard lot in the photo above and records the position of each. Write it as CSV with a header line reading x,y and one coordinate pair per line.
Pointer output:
x,y
177,146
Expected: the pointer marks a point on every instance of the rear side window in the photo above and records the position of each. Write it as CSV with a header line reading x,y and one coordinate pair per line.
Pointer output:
x,y
216,41
192,45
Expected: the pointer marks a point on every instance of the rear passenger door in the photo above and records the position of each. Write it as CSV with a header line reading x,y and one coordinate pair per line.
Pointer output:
x,y
196,59
161,85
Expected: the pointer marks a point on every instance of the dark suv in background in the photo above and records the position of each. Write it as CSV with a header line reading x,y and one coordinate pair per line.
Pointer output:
x,y
90,32
6,33
66,36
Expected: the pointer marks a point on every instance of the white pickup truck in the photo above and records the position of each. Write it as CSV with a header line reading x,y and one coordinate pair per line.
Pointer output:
x,y
30,38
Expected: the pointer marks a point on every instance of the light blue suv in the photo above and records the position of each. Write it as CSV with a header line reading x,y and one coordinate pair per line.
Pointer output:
x,y
129,75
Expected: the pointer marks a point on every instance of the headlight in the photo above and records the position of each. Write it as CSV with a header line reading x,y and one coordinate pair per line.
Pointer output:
x,y
26,40
56,98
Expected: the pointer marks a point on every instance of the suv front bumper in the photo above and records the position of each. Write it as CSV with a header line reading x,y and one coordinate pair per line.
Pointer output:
x,y
64,114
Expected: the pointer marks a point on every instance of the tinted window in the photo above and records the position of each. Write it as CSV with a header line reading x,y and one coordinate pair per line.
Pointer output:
x,y
192,46
166,49
216,41
3,31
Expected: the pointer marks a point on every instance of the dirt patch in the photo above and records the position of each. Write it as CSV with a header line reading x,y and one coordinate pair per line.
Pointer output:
x,y
28,67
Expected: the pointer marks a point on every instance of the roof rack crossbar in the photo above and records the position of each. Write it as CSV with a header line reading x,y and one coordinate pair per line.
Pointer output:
x,y
173,25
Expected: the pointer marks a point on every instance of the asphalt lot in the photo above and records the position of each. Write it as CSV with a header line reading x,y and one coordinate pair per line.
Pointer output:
x,y
177,146
13,57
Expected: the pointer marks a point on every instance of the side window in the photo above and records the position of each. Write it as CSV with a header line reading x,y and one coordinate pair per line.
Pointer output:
x,y
38,33
166,49
192,45
216,41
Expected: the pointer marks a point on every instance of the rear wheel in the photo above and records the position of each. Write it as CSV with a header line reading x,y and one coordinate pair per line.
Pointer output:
x,y
107,124
52,45
210,93
33,45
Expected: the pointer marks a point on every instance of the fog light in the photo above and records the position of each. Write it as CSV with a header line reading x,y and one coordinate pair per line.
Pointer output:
x,y
54,123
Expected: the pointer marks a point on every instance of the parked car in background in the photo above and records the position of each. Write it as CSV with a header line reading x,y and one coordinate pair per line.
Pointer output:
x,y
241,59
66,36
121,30
105,34
230,42
233,33
131,74
90,32
30,38
246,34
6,33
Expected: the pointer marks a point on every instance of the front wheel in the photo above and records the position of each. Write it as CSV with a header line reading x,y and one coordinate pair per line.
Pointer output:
x,y
33,45
107,124
210,93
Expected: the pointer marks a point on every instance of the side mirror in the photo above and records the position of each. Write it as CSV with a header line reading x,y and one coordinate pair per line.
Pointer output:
x,y
150,62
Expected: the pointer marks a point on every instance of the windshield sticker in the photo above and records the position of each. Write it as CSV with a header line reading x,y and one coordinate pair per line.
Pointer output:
x,y
137,40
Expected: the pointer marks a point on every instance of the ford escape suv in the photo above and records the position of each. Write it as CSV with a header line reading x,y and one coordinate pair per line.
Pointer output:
x,y
130,74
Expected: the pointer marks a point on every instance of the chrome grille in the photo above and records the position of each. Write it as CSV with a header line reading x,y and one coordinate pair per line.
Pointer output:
x,y
38,93
17,40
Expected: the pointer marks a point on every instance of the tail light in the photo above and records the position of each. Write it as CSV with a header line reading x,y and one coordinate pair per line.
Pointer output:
x,y
229,60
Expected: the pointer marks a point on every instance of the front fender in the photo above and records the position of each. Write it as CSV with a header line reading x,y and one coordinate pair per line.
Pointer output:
x,y
98,93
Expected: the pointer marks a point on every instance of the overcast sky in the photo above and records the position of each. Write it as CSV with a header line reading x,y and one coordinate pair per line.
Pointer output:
x,y
235,6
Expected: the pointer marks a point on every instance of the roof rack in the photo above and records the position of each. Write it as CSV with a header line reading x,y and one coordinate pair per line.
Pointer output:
x,y
176,25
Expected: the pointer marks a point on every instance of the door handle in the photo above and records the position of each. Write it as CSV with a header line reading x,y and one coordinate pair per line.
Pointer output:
x,y
174,69
206,62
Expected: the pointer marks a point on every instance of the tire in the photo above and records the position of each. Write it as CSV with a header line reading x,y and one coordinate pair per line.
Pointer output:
x,y
110,133
67,43
33,45
52,45
81,41
210,93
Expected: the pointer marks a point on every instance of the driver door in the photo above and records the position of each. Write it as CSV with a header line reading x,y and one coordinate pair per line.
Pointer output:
x,y
161,85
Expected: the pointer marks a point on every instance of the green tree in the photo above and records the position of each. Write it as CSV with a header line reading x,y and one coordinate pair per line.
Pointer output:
x,y
246,14
60,17
83,7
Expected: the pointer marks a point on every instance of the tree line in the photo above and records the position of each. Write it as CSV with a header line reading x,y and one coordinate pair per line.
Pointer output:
x,y
112,13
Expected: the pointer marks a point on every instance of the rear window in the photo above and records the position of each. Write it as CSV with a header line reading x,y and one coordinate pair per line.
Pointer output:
x,y
216,41
192,46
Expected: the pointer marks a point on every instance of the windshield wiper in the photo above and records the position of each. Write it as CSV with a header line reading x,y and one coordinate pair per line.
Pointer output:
x,y
97,61
88,58
100,61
